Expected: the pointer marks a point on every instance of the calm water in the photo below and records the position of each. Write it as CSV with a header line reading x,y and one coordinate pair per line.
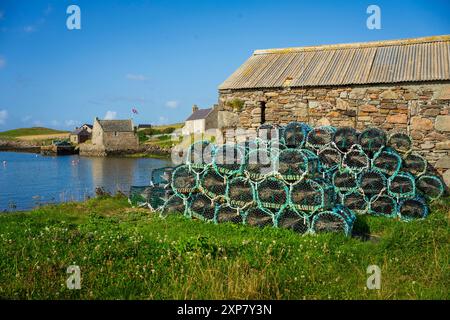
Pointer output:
x,y
28,180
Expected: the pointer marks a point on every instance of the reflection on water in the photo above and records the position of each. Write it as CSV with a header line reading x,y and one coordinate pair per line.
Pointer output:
x,y
28,180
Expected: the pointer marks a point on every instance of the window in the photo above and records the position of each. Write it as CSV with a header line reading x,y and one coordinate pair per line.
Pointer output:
x,y
263,112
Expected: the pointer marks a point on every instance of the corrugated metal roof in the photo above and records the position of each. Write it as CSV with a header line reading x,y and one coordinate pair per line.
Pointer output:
x,y
199,114
116,125
419,59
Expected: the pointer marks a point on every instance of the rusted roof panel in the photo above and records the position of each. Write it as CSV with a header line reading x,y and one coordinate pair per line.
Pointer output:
x,y
420,59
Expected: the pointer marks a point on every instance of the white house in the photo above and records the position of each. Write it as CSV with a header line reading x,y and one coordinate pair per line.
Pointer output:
x,y
200,121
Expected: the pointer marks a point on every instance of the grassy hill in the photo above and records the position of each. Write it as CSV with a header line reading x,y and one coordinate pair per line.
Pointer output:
x,y
126,253
34,131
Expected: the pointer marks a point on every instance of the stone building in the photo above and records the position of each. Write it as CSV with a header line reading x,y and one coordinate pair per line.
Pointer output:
x,y
111,137
400,85
200,121
81,134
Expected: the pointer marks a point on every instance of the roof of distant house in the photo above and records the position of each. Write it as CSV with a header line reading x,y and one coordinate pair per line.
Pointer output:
x,y
116,125
80,131
199,114
393,61
88,125
144,125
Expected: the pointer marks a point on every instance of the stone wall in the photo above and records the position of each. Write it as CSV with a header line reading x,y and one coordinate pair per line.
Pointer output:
x,y
422,110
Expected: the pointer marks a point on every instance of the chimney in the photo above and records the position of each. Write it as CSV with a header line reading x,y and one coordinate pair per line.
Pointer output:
x,y
194,108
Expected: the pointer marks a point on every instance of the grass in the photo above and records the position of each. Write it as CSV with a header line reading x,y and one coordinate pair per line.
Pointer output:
x,y
34,131
126,253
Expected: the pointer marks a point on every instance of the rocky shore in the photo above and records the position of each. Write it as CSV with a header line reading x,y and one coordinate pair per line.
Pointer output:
x,y
19,146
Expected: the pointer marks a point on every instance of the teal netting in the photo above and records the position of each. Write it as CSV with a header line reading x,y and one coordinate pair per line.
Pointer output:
x,y
411,209
201,207
356,159
320,138
383,205
229,159
259,217
225,213
310,195
430,186
294,134
184,181
213,185
415,164
402,185
174,205
372,183
272,193
199,155
292,219
401,142
344,138
372,140
387,161
240,193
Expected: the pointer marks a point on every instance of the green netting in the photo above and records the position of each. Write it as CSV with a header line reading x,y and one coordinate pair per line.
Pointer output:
x,y
294,134
329,159
356,159
290,218
272,193
372,182
402,185
313,168
259,163
401,142
331,221
344,181
415,164
184,181
356,201
387,161
372,140
162,176
139,196
225,213
269,132
259,217
199,155
344,138
432,187
320,138
229,159
174,205
411,209
383,205
201,207
213,185
292,164
240,193
311,195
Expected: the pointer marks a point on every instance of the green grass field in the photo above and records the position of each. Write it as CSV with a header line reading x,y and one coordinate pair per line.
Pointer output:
x,y
126,253
29,132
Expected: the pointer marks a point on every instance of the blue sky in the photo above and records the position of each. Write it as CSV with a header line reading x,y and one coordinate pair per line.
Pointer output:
x,y
161,57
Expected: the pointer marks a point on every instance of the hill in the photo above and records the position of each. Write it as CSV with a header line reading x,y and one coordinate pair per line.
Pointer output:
x,y
34,131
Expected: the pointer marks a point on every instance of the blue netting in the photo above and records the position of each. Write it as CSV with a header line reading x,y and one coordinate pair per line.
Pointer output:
x,y
412,209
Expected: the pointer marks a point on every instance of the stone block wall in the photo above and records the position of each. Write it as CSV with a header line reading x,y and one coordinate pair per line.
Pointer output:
x,y
422,110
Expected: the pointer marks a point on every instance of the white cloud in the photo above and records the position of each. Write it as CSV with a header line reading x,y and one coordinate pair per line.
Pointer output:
x,y
136,77
172,104
110,115
71,123
29,29
3,116
38,123
2,62
163,120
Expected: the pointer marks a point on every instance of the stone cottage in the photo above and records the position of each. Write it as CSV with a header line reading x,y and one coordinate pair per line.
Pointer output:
x,y
200,121
111,137
401,85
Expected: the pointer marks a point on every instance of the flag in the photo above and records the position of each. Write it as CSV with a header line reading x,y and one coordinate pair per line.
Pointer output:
x,y
134,111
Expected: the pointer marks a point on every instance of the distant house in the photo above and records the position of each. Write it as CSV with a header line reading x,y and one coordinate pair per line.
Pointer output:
x,y
144,126
113,136
80,135
87,127
200,121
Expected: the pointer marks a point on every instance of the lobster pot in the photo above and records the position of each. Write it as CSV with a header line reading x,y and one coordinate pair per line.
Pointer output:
x,y
224,213
372,182
410,209
240,192
292,164
259,163
199,155
372,140
431,186
229,159
329,159
259,217
158,197
401,142
330,221
272,193
344,138
387,161
201,207
383,205
320,138
312,161
294,134
355,201
402,185
139,196
269,132
213,185
174,205
356,159
346,213
310,195
184,181
162,176
344,181
415,164
290,218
